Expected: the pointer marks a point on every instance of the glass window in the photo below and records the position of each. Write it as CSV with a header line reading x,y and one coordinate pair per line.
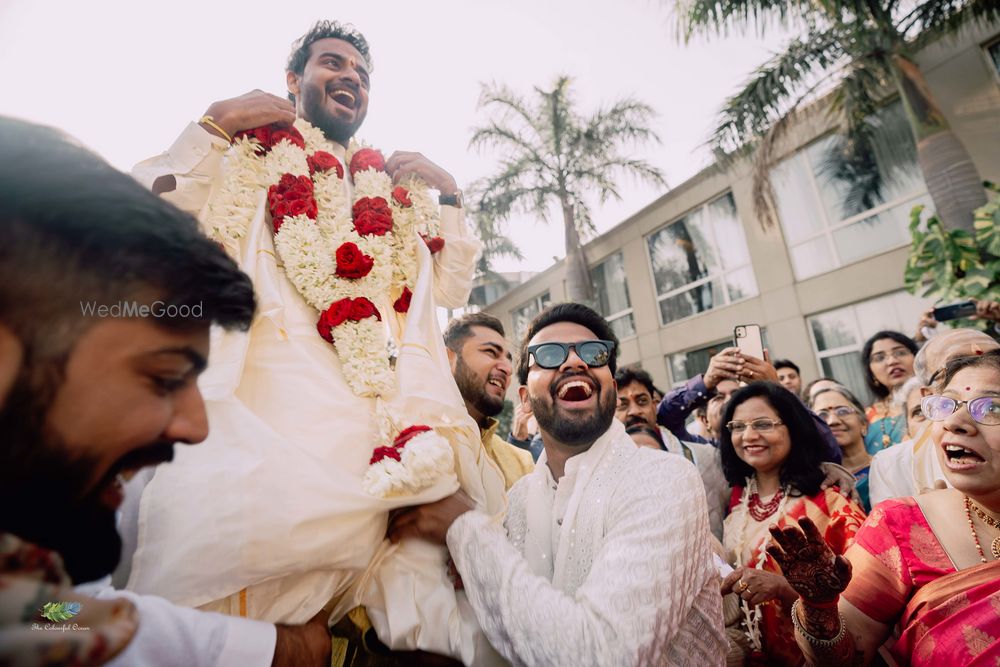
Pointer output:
x,y
829,217
522,316
838,335
993,53
685,365
701,261
612,295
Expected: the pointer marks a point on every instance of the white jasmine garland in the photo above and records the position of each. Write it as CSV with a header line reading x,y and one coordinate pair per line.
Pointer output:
x,y
424,459
308,247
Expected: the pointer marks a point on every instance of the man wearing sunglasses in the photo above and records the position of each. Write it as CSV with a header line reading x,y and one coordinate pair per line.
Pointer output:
x,y
604,554
912,467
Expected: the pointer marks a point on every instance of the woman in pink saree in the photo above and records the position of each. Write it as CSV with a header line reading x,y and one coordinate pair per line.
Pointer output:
x,y
923,571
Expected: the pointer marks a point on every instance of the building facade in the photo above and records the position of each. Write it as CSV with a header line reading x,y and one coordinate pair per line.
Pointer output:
x,y
676,277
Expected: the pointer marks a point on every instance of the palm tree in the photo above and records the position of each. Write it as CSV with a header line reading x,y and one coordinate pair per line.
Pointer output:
x,y
495,245
868,47
552,156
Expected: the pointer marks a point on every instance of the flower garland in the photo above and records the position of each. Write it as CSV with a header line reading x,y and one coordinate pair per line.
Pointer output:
x,y
342,257
751,617
415,460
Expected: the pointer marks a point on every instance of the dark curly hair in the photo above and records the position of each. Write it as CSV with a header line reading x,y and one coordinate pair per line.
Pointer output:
x,y
629,374
567,312
801,470
874,385
326,30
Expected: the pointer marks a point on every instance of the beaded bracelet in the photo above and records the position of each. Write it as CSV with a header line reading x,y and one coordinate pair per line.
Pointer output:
x,y
816,641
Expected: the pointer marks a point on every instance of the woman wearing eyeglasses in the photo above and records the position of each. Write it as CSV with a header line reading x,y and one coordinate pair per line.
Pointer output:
x,y
888,358
843,413
771,456
926,566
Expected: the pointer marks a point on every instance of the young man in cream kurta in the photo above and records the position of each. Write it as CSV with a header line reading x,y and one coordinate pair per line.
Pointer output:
x,y
270,520
603,557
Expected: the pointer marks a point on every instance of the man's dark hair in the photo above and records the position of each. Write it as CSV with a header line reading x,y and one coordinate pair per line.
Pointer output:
x,y
874,385
460,329
786,363
652,431
325,30
802,468
629,374
79,233
576,313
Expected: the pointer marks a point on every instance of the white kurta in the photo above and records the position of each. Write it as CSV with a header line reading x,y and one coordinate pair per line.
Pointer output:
x,y
610,565
908,468
268,518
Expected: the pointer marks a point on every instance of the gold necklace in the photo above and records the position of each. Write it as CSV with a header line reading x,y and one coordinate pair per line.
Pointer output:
x,y
991,522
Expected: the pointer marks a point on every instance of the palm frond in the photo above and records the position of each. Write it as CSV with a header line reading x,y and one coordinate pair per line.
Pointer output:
x,y
725,16
768,95
932,20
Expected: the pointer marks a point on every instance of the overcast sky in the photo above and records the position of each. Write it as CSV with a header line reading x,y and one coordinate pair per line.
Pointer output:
x,y
126,76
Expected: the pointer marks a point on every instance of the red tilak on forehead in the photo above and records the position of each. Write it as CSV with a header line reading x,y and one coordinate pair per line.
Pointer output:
x,y
968,389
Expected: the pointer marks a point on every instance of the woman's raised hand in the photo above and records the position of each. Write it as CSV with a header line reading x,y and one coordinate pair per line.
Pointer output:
x,y
809,565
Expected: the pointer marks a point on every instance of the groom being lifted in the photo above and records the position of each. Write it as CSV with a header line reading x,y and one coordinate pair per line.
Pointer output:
x,y
275,517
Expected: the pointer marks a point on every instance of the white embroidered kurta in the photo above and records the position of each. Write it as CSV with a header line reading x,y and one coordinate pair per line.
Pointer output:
x,y
268,518
610,565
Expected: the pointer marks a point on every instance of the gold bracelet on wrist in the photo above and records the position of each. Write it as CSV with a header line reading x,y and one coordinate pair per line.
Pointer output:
x,y
208,120
816,641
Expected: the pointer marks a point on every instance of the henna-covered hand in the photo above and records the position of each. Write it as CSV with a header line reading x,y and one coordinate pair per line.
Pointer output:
x,y
809,565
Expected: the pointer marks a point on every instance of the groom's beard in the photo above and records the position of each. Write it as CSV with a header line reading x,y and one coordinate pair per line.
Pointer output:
x,y
314,110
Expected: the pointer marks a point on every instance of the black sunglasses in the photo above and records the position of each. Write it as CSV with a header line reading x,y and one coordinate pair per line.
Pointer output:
x,y
594,353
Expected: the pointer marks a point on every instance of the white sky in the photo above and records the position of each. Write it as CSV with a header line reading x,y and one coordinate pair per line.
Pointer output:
x,y
126,76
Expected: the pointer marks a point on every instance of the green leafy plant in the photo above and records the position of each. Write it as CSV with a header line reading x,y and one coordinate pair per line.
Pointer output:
x,y
57,612
951,265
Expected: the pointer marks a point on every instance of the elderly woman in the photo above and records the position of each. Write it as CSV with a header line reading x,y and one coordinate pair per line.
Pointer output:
x,y
843,413
926,567
908,399
888,358
771,455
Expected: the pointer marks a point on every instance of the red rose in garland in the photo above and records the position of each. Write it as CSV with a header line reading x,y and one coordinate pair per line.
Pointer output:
x,y
402,196
351,262
402,304
434,243
293,136
323,161
292,195
372,216
408,434
384,453
333,316
367,158
261,134
362,308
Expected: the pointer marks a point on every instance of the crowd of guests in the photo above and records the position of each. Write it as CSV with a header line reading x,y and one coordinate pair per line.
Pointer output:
x,y
816,459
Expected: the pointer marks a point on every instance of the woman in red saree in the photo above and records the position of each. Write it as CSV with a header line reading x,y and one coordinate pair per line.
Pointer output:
x,y
770,454
928,567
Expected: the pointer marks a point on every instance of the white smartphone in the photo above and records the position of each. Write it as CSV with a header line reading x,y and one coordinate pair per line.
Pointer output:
x,y
747,338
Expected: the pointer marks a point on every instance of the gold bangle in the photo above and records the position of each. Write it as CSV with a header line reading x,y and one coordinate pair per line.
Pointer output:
x,y
208,120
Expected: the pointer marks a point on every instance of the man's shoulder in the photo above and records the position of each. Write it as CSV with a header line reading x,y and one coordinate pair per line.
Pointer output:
x,y
893,455
652,470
